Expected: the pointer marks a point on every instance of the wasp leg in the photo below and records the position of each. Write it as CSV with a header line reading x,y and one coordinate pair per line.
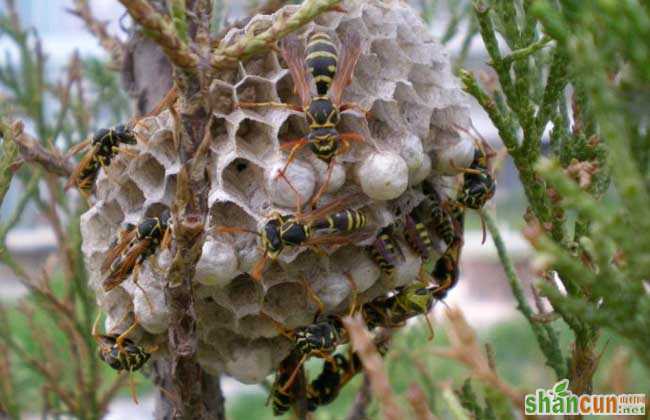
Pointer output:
x,y
278,326
354,105
292,378
136,274
314,297
464,170
431,332
132,387
353,298
323,187
94,332
295,145
119,341
245,104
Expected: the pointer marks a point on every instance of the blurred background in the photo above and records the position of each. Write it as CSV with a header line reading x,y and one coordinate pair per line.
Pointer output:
x,y
482,293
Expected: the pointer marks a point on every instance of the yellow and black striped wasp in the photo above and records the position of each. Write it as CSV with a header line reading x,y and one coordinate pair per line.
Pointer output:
x,y
405,303
385,251
294,230
322,111
337,372
285,389
417,235
104,146
134,245
120,352
446,269
441,221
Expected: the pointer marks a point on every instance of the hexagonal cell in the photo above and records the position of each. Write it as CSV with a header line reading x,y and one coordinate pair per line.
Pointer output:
x,y
256,89
285,92
243,177
161,145
222,97
386,121
130,196
256,326
390,54
413,116
255,137
147,172
377,24
244,295
211,315
289,304
229,214
112,212
293,128
266,66
219,131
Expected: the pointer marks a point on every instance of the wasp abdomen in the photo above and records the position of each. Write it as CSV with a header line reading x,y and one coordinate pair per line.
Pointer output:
x,y
322,60
343,221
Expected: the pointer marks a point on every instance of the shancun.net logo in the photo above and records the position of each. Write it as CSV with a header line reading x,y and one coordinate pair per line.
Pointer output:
x,y
560,400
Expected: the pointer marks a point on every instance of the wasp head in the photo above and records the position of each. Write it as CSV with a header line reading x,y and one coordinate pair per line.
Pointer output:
x,y
271,237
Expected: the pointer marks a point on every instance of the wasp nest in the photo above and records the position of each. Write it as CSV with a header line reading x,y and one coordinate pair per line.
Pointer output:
x,y
403,78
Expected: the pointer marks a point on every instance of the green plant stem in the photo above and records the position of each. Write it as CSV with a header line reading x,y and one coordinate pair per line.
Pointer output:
x,y
545,334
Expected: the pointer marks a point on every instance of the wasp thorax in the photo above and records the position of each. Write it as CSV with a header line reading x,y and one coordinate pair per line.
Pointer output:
x,y
322,113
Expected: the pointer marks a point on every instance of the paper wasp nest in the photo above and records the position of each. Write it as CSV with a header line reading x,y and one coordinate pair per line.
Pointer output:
x,y
403,77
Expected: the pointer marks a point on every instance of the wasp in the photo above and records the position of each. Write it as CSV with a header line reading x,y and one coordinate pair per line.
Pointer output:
x,y
284,390
417,234
446,271
441,221
134,245
104,146
120,352
293,230
336,373
478,183
405,303
385,251
322,111
342,221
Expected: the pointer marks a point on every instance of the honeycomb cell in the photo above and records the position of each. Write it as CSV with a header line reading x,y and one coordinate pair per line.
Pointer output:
x,y
256,138
130,196
244,295
148,173
285,91
256,89
287,303
241,178
222,97
266,66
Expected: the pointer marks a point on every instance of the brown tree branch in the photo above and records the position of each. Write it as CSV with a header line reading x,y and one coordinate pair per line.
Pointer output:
x,y
226,56
110,43
32,151
418,402
361,401
373,366
161,30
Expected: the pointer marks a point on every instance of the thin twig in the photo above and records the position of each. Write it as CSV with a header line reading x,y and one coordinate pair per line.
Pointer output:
x,y
110,43
226,56
373,366
161,30
32,151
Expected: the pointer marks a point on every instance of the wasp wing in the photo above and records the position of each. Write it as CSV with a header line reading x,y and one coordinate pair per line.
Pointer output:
x,y
332,207
126,265
118,248
85,161
294,55
350,52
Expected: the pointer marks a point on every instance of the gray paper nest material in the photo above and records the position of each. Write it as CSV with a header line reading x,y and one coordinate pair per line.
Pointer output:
x,y
403,77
